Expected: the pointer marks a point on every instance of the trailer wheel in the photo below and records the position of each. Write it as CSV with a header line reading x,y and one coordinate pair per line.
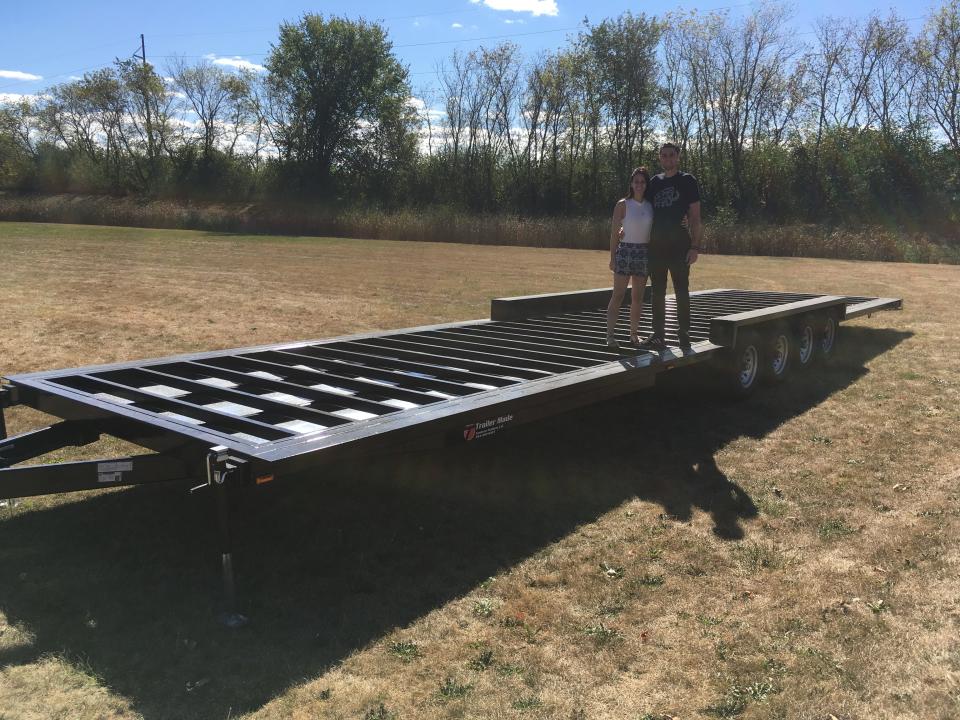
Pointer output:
x,y
742,366
829,328
779,355
805,342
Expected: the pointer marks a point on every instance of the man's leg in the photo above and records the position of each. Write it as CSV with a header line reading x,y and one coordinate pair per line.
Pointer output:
x,y
680,274
658,295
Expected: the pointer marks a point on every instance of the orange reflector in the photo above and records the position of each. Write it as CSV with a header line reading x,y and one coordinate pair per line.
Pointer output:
x,y
264,479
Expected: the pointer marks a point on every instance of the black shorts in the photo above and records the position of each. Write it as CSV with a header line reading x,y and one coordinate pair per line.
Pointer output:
x,y
631,259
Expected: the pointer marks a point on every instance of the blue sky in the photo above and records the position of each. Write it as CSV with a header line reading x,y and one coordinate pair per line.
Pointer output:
x,y
55,40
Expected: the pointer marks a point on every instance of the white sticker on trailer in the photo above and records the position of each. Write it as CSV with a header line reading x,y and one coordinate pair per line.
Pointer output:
x,y
112,472
108,467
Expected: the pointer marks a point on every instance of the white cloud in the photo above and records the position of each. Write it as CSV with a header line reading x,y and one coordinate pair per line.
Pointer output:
x,y
17,75
456,25
188,124
421,107
17,97
534,7
235,62
514,22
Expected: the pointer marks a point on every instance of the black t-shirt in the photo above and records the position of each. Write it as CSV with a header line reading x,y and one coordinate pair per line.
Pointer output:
x,y
671,197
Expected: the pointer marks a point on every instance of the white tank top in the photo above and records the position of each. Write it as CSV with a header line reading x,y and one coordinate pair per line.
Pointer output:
x,y
637,222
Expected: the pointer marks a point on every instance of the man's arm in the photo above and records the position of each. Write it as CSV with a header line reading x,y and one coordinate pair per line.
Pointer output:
x,y
696,231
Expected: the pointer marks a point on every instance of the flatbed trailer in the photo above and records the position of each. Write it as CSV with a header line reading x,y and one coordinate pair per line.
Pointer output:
x,y
245,417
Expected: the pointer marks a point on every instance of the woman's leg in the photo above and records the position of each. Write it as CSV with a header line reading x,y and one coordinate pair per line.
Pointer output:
x,y
639,282
613,309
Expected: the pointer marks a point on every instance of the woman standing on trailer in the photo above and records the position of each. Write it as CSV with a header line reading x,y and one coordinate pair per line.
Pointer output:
x,y
628,254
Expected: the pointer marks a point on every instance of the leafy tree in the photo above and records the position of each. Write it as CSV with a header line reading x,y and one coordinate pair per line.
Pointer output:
x,y
939,63
621,54
220,100
146,109
336,94
18,143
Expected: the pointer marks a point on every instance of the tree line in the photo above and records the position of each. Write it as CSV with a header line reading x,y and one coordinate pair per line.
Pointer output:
x,y
858,121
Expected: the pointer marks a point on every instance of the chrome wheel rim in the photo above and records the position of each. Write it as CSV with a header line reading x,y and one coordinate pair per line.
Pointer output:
x,y
749,360
806,344
829,335
781,353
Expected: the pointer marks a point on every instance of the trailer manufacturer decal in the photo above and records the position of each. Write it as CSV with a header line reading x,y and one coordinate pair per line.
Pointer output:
x,y
112,472
486,428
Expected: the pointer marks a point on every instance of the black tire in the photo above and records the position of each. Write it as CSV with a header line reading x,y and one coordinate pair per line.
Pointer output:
x,y
827,336
741,367
806,334
778,356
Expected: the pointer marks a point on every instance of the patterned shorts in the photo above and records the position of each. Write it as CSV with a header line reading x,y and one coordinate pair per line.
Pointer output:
x,y
630,259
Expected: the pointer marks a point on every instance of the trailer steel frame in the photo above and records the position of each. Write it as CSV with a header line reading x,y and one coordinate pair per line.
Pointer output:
x,y
246,416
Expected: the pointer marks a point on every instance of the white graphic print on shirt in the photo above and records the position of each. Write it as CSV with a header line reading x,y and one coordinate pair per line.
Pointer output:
x,y
666,197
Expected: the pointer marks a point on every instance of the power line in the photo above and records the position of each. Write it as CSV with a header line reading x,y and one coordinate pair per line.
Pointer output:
x,y
478,8
406,45
138,52
423,44
463,11
488,37
77,51
74,52
906,20
51,77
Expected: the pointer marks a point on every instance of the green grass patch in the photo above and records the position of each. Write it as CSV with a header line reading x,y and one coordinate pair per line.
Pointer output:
x,y
482,661
602,634
759,556
834,528
531,702
405,650
451,689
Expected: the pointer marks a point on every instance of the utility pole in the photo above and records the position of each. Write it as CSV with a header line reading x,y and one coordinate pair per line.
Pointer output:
x,y
146,98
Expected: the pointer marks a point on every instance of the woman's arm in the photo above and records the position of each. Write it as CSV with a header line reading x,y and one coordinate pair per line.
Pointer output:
x,y
619,211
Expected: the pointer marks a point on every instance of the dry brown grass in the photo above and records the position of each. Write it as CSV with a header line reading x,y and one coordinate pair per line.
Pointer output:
x,y
793,556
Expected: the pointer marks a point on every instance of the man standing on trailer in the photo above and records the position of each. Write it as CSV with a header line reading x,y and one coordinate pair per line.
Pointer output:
x,y
674,247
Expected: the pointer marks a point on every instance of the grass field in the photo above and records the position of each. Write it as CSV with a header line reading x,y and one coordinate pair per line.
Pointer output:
x,y
792,556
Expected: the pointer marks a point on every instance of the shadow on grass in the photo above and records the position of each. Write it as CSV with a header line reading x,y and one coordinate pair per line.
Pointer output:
x,y
125,585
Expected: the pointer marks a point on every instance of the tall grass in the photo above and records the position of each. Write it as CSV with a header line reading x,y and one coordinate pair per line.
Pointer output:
x,y
861,243
440,224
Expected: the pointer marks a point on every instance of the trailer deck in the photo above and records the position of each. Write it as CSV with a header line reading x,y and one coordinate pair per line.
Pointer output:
x,y
276,402
249,415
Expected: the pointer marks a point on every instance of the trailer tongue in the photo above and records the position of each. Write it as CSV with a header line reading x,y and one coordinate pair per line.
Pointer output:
x,y
250,415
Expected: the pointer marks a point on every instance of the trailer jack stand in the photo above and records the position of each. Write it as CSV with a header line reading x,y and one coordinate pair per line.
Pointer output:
x,y
8,398
223,474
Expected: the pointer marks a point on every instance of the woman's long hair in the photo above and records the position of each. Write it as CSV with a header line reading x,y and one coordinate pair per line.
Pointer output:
x,y
642,170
